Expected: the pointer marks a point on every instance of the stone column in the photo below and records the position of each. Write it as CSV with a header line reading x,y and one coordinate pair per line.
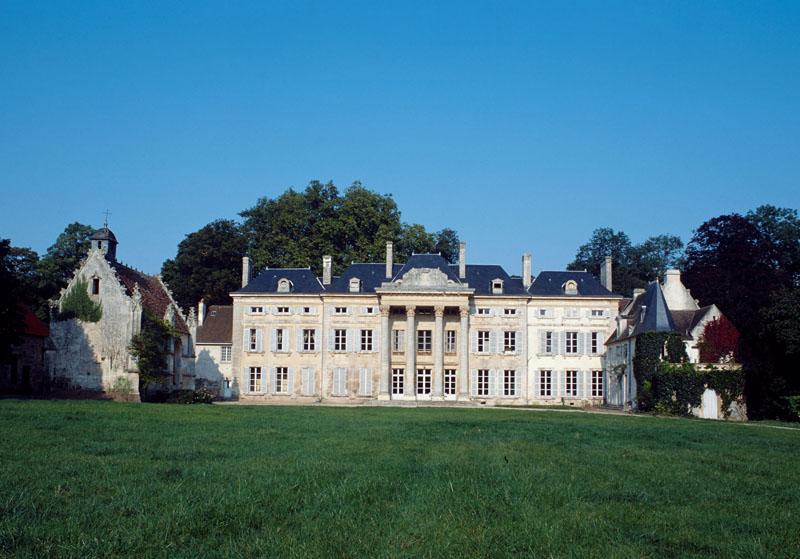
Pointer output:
x,y
386,340
411,352
438,352
463,355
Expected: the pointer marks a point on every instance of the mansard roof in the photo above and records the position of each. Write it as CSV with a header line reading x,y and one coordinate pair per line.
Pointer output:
x,y
480,277
154,295
371,276
217,327
551,284
303,280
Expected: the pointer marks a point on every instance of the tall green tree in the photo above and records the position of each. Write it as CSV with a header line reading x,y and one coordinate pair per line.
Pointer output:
x,y
634,266
11,320
56,267
207,265
747,266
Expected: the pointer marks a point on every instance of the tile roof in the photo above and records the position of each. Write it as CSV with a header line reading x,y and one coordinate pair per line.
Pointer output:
x,y
154,295
33,325
303,281
217,326
551,284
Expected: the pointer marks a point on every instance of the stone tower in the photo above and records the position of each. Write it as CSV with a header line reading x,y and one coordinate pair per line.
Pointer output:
x,y
105,241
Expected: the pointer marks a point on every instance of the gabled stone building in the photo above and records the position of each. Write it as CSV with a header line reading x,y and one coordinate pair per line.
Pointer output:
x,y
94,356
423,330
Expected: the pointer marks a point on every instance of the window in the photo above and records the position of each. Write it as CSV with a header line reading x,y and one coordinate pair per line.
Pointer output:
x,y
256,310
483,341
423,381
252,336
509,382
283,310
284,285
572,342
509,312
450,382
280,341
597,384
483,311
340,340
340,310
497,286
281,380
255,379
594,342
509,342
424,341
309,339
398,376
398,337
483,382
571,287
366,340
95,286
545,383
369,310
225,354
571,384
355,285
450,341
543,313
306,310
547,342
598,313
572,312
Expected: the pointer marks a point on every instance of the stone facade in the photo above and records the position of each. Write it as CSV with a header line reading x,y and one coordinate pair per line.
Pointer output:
x,y
95,356
25,372
420,331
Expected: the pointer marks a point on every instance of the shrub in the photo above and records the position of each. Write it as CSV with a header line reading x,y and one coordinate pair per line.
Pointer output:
x,y
77,304
200,396
793,402
122,387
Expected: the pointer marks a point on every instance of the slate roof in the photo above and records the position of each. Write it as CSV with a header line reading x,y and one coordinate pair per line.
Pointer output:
x,y
103,234
154,295
433,261
303,280
371,276
217,326
480,276
551,284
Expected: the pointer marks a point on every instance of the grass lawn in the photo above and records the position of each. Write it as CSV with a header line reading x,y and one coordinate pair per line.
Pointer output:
x,y
89,479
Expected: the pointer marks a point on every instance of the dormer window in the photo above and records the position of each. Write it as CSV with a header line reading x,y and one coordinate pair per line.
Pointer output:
x,y
284,285
497,286
571,287
355,285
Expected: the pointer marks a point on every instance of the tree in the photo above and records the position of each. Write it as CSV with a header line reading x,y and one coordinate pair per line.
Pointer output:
x,y
297,228
77,304
447,245
747,265
207,265
56,267
719,341
150,348
633,266
11,320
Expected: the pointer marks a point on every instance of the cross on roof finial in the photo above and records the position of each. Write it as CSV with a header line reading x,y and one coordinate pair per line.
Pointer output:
x,y
106,213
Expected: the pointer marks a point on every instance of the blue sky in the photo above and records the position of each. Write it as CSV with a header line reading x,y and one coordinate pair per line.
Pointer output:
x,y
524,126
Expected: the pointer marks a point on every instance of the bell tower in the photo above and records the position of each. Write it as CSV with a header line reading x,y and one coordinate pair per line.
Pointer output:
x,y
105,241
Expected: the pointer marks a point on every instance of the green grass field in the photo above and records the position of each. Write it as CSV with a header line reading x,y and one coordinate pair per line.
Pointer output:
x,y
91,479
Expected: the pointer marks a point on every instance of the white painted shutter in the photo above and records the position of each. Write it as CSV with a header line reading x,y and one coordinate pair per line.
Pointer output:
x,y
581,343
330,339
305,388
475,341
542,341
273,373
366,382
473,388
351,337
299,339
537,383
562,343
290,381
493,345
517,381
273,340
493,374
519,347
376,340
259,340
317,340
246,340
